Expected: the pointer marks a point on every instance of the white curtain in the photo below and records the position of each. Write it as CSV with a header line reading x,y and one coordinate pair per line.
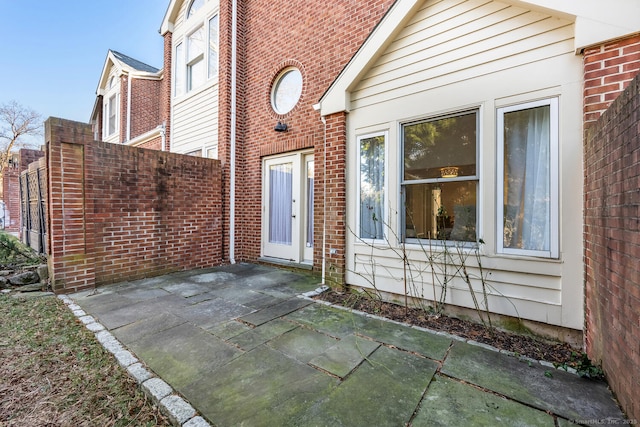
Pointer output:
x,y
527,179
280,203
310,212
371,187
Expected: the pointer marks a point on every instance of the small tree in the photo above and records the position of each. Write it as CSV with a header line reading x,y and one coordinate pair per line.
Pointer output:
x,y
16,122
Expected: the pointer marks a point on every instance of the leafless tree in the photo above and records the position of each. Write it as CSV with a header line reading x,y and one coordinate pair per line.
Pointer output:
x,y
16,122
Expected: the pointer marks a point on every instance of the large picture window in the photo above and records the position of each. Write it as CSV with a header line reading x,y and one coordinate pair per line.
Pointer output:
x,y
371,186
440,178
528,179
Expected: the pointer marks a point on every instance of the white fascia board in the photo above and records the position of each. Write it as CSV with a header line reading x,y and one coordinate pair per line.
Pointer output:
x,y
337,98
105,72
170,17
147,136
595,22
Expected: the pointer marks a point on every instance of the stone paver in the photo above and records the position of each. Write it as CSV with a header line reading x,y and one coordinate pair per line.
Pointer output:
x,y
531,383
182,353
345,356
241,348
449,402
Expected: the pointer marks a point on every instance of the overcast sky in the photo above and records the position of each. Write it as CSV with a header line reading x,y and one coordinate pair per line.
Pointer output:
x,y
53,51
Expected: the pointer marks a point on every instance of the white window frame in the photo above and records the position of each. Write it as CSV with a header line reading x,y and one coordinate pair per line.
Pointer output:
x,y
107,115
554,229
182,67
477,178
384,219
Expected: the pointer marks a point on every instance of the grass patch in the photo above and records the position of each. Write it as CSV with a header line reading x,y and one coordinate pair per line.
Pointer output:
x,y
55,373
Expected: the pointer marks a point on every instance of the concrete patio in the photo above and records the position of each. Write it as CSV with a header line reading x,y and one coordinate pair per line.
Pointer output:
x,y
243,347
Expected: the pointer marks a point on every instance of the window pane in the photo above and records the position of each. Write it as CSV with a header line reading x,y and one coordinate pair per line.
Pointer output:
x,y
442,211
371,187
195,74
310,189
280,203
213,46
287,91
113,111
179,70
440,148
195,44
193,8
527,179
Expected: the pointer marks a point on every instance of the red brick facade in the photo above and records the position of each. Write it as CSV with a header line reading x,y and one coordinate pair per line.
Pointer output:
x,y
120,213
145,106
608,69
318,38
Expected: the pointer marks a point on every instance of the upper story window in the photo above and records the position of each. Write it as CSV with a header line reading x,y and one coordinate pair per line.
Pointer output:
x,y
193,7
440,178
196,57
286,90
528,184
111,115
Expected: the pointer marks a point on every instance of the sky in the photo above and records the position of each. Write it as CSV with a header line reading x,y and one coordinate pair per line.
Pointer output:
x,y
53,51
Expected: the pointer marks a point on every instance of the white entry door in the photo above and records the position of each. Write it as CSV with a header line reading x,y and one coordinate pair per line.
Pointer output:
x,y
287,229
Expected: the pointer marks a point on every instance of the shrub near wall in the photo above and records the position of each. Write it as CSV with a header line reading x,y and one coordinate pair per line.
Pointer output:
x,y
121,213
612,246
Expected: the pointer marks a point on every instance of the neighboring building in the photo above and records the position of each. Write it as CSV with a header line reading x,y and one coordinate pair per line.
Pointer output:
x,y
12,209
128,108
191,31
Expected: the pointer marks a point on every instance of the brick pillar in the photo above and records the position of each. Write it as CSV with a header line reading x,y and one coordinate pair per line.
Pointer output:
x,y
334,180
71,262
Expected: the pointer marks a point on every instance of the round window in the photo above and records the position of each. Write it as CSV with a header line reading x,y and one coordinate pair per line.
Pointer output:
x,y
286,90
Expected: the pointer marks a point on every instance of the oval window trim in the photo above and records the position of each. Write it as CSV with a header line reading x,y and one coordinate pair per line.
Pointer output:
x,y
286,90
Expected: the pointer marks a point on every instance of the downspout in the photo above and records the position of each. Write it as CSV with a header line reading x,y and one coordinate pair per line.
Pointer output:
x,y
163,136
324,201
129,107
232,166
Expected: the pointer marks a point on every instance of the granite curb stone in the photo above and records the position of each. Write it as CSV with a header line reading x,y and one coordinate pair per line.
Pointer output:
x,y
178,410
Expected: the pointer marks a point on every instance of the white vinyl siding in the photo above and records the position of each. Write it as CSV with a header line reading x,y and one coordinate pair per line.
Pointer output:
x,y
194,117
195,124
453,41
452,56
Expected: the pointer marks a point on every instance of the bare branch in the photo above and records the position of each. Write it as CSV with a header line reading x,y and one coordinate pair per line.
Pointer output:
x,y
16,122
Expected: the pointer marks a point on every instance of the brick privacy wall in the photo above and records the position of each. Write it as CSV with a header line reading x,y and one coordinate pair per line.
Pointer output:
x,y
152,144
608,69
317,37
612,246
122,213
11,187
145,107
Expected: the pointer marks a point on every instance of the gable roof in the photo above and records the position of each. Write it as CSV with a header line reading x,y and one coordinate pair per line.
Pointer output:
x,y
595,23
134,63
170,16
126,65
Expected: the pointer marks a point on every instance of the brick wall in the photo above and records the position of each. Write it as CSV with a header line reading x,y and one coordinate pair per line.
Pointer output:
x,y
608,69
122,119
612,245
121,213
145,107
317,37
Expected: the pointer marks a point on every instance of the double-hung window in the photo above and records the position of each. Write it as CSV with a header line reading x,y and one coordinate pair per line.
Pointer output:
x,y
372,200
440,178
112,115
528,179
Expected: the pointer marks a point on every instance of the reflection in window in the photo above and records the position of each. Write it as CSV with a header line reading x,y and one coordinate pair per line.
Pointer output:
x,y
213,47
112,115
195,59
371,187
193,7
440,178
